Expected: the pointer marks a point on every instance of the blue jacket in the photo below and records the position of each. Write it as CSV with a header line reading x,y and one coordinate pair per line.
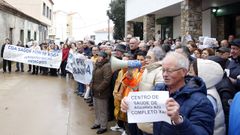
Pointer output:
x,y
196,109
234,116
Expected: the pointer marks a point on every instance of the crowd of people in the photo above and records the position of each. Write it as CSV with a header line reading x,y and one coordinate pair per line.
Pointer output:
x,y
202,80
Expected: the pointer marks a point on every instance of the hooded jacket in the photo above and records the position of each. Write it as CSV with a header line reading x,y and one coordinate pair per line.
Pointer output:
x,y
212,73
196,110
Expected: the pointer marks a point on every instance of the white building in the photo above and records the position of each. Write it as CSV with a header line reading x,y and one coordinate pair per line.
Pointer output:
x,y
17,25
40,10
103,35
174,18
58,31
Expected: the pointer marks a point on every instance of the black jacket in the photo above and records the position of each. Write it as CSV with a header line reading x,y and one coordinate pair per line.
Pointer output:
x,y
2,50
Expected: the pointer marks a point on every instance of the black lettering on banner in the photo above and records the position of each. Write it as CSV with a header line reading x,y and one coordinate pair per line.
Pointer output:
x,y
153,102
144,112
155,96
141,97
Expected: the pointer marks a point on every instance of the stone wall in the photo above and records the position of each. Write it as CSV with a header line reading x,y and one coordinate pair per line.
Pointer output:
x,y
191,18
220,28
149,27
129,28
17,24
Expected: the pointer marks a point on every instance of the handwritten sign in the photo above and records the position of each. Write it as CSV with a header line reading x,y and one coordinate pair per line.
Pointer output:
x,y
147,106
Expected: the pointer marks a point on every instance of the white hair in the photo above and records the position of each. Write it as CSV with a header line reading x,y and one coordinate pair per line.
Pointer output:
x,y
158,53
181,60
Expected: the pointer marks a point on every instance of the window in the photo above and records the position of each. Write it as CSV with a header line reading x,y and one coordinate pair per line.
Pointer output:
x,y
29,35
47,15
35,35
50,14
22,35
11,34
44,9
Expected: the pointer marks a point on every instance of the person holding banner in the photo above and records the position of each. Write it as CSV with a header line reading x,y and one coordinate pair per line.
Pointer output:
x,y
65,52
35,46
6,62
18,64
100,85
44,70
188,107
54,48
131,84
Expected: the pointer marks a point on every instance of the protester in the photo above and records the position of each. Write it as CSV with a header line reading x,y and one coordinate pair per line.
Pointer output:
x,y
131,83
44,70
36,47
118,53
223,52
192,47
133,45
233,68
120,116
225,88
101,90
152,75
224,43
19,66
207,52
65,52
197,53
188,107
95,51
80,54
200,68
6,63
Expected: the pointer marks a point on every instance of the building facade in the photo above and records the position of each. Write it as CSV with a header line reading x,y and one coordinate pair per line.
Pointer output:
x,y
59,30
176,18
17,25
103,35
40,10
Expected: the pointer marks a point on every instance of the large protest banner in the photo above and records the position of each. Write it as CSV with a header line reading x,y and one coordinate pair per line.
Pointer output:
x,y
80,67
51,59
147,106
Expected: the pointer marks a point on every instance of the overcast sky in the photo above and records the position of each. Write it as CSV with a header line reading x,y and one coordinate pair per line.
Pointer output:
x,y
93,12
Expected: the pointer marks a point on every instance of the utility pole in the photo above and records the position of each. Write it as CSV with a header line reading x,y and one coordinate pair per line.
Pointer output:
x,y
108,30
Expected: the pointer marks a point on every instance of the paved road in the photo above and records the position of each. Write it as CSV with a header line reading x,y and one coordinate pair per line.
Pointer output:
x,y
42,105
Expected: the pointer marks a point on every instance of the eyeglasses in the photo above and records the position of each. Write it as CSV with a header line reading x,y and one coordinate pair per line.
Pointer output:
x,y
169,71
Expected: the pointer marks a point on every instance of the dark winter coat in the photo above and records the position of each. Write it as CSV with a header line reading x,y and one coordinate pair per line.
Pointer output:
x,y
2,50
101,80
196,109
226,92
234,67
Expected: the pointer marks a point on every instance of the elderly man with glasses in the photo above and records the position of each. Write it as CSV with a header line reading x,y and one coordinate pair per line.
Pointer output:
x,y
189,109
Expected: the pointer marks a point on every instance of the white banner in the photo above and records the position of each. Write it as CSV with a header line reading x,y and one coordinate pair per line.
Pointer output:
x,y
70,62
51,59
80,67
147,106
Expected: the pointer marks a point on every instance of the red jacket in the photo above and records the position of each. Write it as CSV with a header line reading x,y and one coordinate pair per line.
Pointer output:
x,y
65,52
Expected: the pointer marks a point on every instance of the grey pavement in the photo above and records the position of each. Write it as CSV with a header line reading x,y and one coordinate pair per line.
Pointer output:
x,y
43,105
